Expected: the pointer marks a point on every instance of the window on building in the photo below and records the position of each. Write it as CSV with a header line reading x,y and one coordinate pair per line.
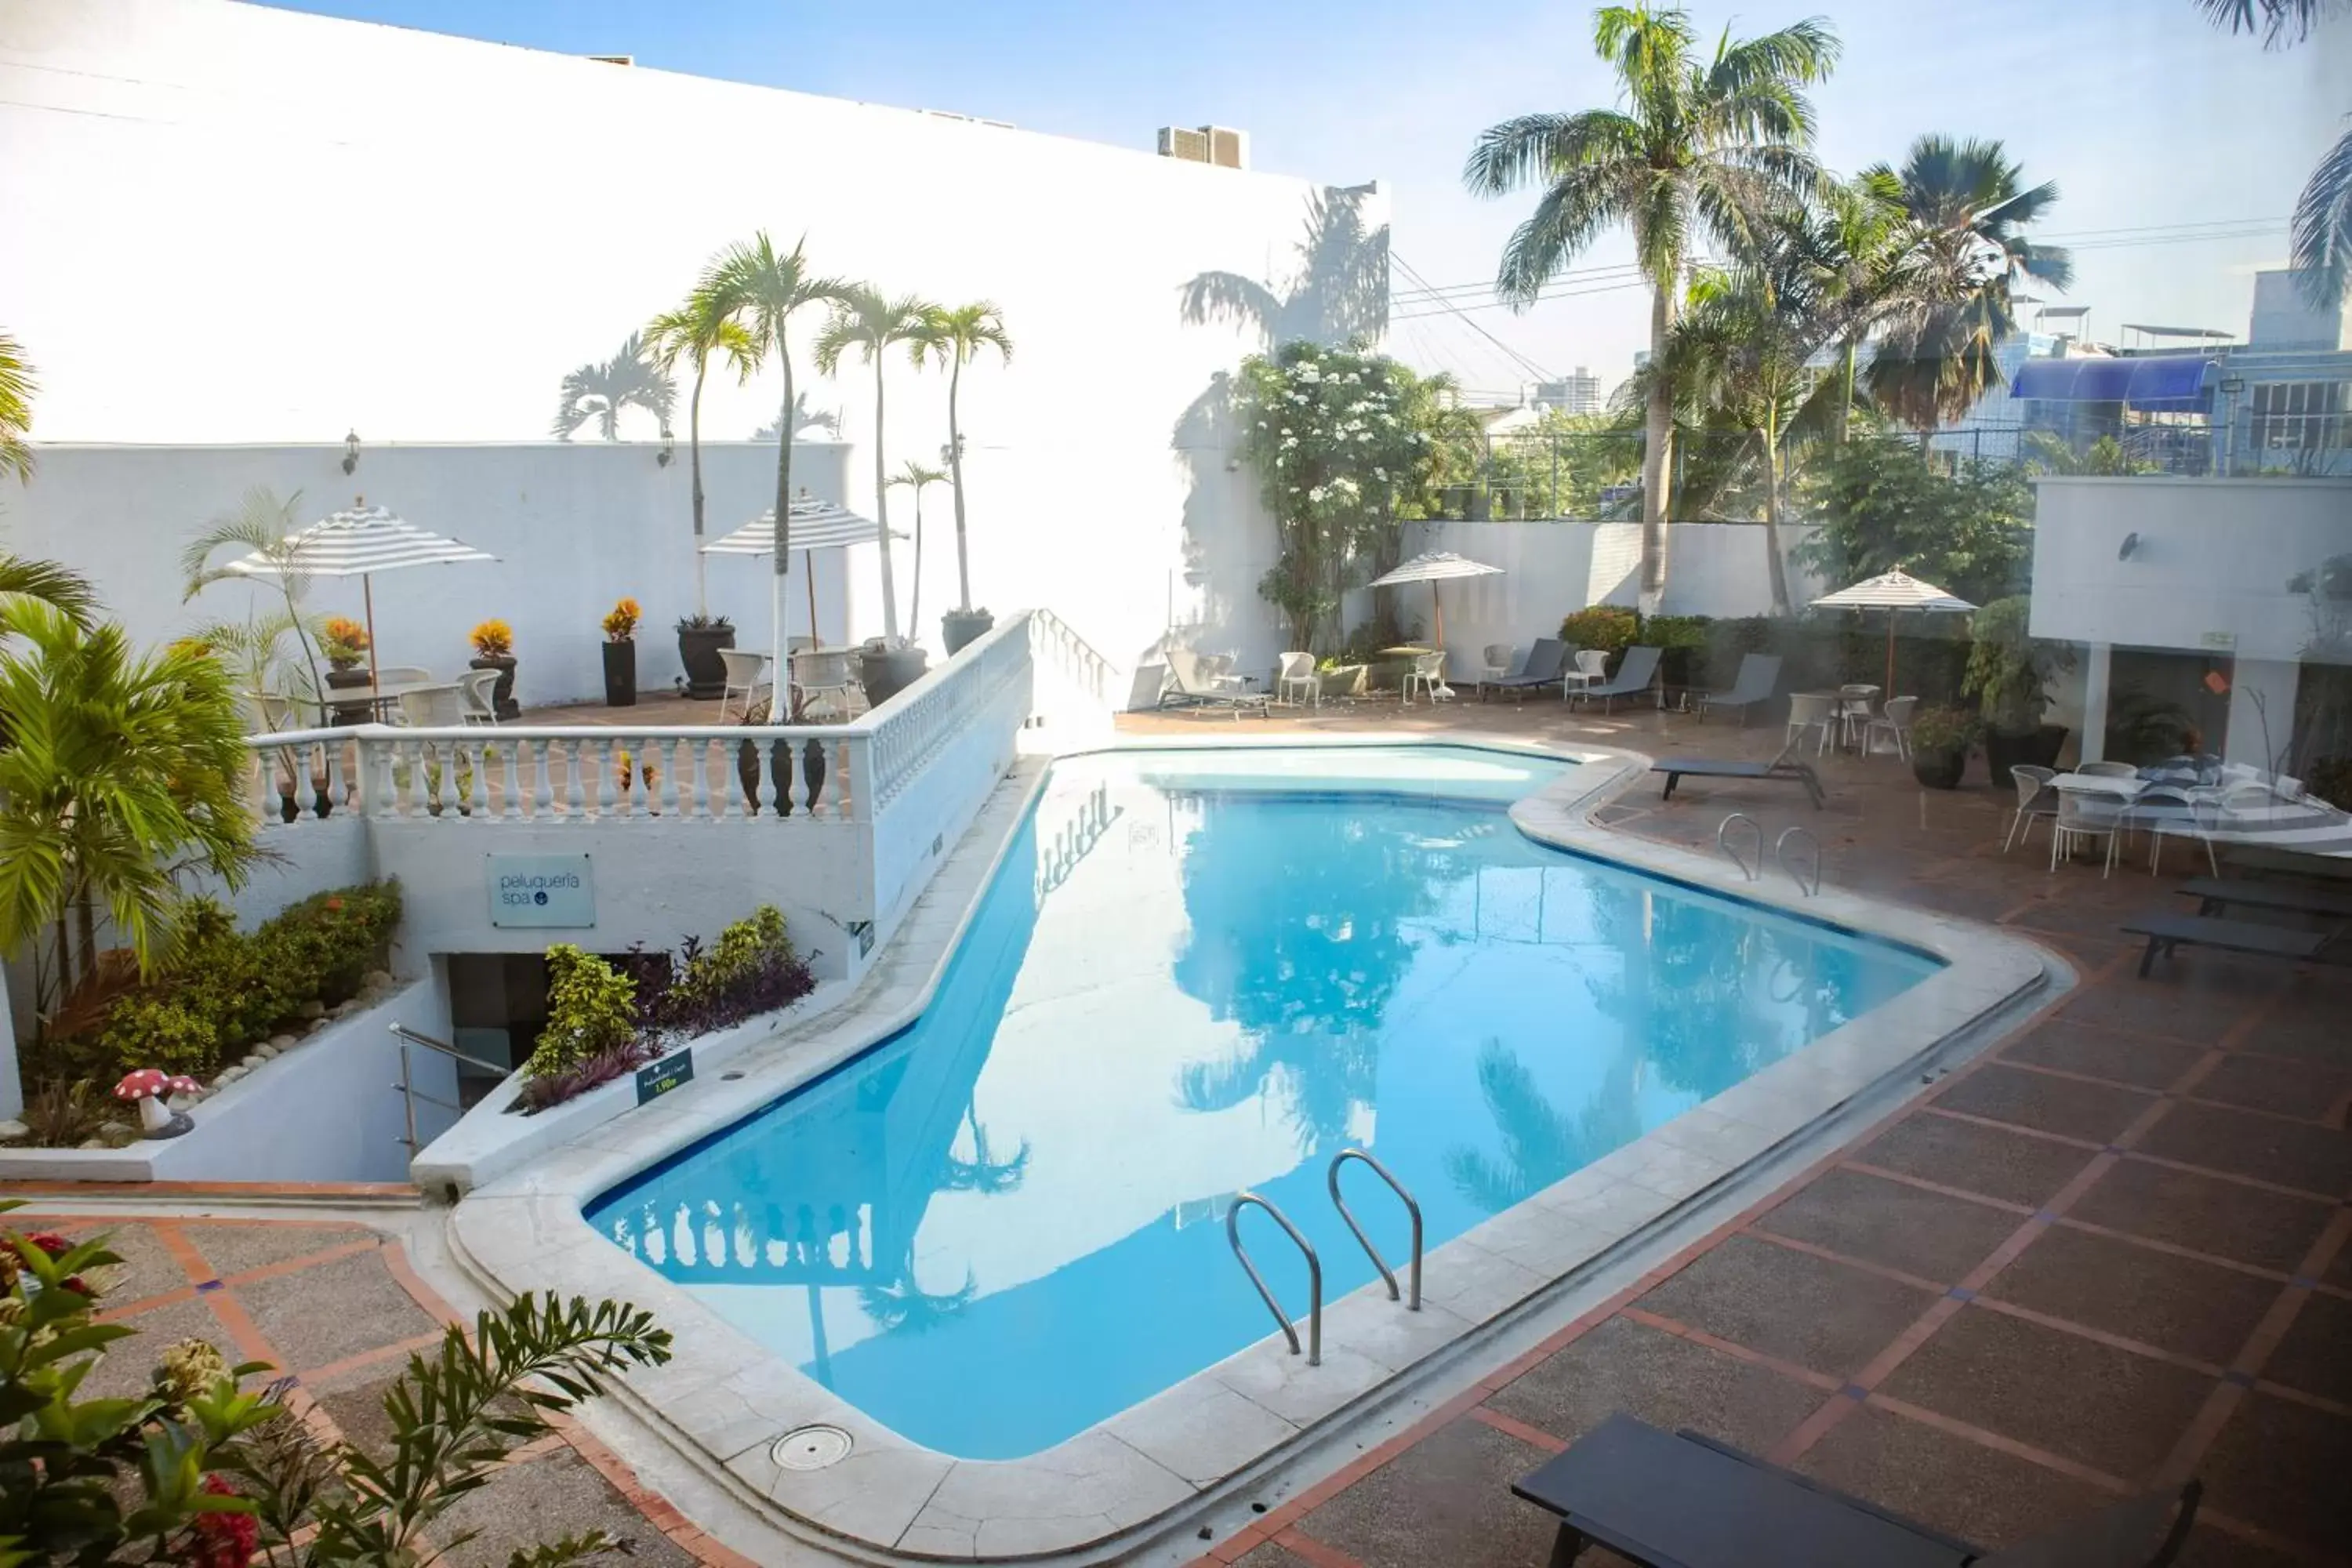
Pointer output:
x,y
2301,415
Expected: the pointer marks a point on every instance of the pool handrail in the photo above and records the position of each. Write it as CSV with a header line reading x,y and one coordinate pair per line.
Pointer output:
x,y
1780,853
1314,1274
1755,873
1410,1207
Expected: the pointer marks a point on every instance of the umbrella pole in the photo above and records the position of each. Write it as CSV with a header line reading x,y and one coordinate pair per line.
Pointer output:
x,y
367,597
1437,603
1890,651
808,566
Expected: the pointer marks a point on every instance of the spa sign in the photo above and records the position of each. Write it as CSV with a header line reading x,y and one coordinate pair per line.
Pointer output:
x,y
541,890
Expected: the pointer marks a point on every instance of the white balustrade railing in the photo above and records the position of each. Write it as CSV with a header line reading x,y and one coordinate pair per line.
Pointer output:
x,y
1074,662
539,773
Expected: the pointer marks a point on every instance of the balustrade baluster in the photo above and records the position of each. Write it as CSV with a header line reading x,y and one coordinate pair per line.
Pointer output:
x,y
763,771
667,746
478,762
575,788
331,752
602,751
509,797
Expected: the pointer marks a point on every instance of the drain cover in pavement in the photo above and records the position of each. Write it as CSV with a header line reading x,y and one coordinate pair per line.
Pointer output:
x,y
811,1447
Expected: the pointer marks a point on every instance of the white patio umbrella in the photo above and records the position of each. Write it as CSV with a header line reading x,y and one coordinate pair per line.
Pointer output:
x,y
1894,592
814,525
1433,567
359,540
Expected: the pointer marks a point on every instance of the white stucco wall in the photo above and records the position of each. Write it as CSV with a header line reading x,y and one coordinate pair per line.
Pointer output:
x,y
2209,572
386,231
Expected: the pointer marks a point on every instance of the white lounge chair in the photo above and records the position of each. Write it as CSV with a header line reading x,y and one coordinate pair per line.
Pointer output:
x,y
1188,682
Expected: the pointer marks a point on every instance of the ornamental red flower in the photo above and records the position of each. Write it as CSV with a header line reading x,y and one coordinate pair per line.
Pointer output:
x,y
334,903
79,1286
223,1540
51,1242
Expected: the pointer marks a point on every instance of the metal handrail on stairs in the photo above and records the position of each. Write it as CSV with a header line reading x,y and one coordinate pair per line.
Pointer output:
x,y
1752,873
1314,1275
410,1094
1410,1207
1780,853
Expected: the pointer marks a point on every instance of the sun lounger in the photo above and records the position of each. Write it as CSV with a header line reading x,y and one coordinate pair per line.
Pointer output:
x,y
2214,894
1786,767
2165,930
1758,674
1634,677
1188,682
1683,1499
1546,662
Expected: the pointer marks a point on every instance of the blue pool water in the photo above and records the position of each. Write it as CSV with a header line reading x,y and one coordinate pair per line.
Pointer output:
x,y
1196,972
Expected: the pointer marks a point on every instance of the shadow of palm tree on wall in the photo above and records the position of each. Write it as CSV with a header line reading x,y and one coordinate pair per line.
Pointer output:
x,y
1337,292
600,391
804,419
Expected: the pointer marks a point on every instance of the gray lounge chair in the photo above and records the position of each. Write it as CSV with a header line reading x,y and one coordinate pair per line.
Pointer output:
x,y
2165,930
1686,1500
1634,677
1758,674
1546,660
1787,766
2213,894
1189,683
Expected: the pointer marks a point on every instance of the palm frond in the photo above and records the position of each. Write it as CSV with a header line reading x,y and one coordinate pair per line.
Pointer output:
x,y
2282,22
1230,297
2323,228
61,587
16,387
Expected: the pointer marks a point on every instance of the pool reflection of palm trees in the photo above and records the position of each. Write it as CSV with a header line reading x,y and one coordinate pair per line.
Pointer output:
x,y
983,1173
1297,920
903,1307
1540,1142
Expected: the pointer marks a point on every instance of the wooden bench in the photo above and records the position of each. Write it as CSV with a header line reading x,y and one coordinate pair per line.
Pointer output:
x,y
2214,894
1683,1501
1783,768
2165,930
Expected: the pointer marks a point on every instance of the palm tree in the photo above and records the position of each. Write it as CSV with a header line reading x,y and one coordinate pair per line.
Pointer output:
x,y
2323,228
2282,23
915,477
1702,146
123,769
761,288
17,385
867,321
1947,310
955,338
695,332
261,525
23,577
630,379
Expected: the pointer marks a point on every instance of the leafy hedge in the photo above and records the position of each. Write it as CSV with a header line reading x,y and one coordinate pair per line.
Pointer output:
x,y
226,990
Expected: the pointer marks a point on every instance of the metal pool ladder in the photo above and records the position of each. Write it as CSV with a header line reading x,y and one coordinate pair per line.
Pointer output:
x,y
1780,853
1314,1274
1724,827
1410,1207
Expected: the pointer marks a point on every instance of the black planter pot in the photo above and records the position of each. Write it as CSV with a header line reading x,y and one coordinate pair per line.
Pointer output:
x,y
958,628
1940,770
347,681
502,697
886,672
621,674
697,649
344,680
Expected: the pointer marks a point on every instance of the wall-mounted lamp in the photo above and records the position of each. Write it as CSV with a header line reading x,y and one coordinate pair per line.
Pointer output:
x,y
2129,548
351,452
668,450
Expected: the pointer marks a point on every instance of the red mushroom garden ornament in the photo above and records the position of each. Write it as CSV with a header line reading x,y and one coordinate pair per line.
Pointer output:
x,y
147,1087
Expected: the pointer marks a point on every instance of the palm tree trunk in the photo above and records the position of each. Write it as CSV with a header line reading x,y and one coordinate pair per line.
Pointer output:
x,y
1780,566
1845,403
777,598
694,462
955,472
1657,439
882,509
914,598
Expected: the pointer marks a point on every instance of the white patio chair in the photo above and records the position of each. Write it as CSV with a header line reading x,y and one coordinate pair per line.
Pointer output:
x,y
2034,797
1855,701
1428,672
821,680
437,707
1895,719
2084,818
2192,819
2107,770
1811,710
401,674
1591,665
744,674
475,687
1297,674
1497,661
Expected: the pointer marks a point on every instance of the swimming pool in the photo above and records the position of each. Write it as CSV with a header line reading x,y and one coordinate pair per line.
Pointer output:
x,y
1195,972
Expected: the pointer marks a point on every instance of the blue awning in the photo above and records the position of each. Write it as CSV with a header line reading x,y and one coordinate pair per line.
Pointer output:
x,y
2150,381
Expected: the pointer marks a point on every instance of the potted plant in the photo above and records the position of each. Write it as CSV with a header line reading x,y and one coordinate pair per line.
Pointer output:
x,y
2008,674
1940,741
493,643
621,654
699,638
958,628
345,643
886,668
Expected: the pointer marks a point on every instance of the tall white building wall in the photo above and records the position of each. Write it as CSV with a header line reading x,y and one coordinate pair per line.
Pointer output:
x,y
231,224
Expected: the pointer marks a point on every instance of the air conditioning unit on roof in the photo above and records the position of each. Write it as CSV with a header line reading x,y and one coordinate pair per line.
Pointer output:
x,y
1218,144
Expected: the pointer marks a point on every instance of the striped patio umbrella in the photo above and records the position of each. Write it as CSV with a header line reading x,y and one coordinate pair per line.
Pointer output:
x,y
359,541
1894,592
1433,567
814,525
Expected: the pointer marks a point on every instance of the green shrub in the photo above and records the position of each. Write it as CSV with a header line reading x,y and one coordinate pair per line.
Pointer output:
x,y
592,1009
1945,729
1682,643
225,991
1609,627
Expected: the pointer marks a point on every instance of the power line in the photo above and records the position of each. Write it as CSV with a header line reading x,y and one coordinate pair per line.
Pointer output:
x,y
1540,374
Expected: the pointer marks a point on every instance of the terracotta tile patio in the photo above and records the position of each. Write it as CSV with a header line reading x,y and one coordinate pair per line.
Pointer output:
x,y
2114,1252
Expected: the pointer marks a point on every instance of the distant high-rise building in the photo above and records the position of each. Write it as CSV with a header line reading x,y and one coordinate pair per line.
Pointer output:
x,y
1578,392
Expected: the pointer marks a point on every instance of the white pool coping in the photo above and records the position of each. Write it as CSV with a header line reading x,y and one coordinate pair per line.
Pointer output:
x,y
724,1398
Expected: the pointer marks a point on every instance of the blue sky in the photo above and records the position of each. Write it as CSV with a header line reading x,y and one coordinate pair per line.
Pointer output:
x,y
2145,116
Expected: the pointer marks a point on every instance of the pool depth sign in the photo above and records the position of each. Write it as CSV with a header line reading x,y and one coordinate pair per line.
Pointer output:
x,y
541,890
